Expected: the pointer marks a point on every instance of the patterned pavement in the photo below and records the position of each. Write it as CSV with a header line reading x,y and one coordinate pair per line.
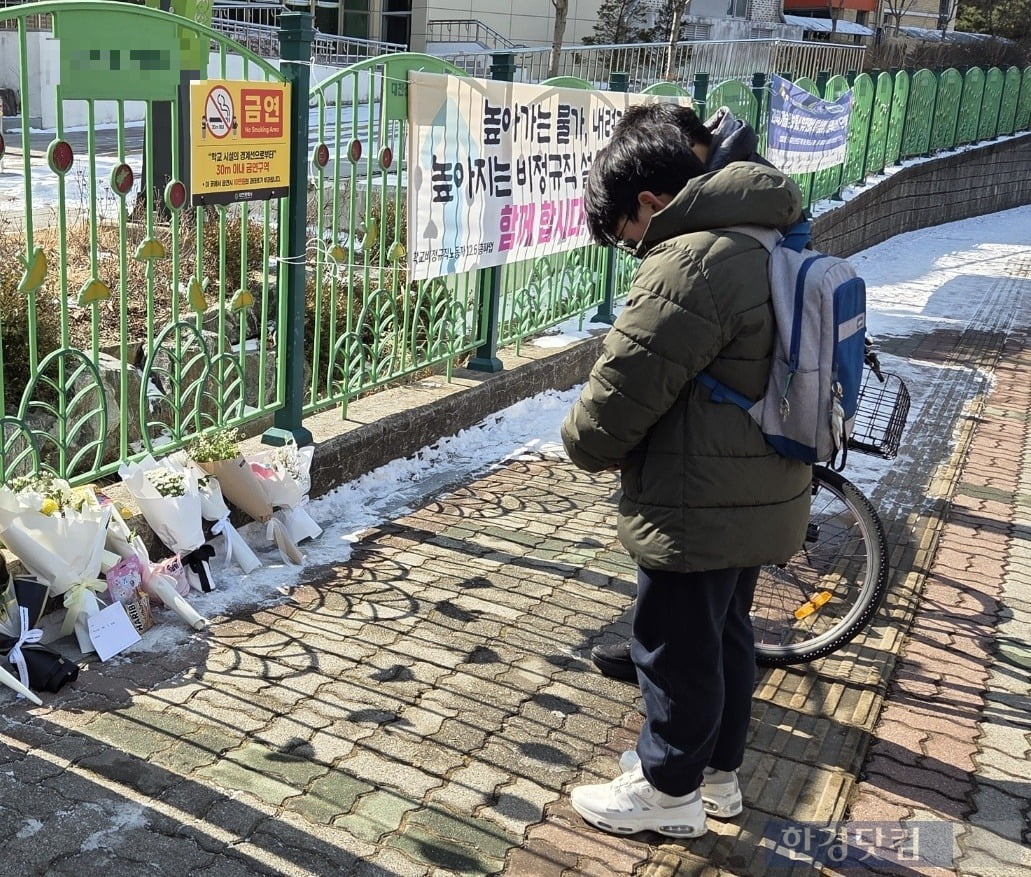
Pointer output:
x,y
423,708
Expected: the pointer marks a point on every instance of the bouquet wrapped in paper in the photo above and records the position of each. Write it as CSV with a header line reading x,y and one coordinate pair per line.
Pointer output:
x,y
158,581
213,508
125,585
218,454
22,601
58,533
285,474
169,497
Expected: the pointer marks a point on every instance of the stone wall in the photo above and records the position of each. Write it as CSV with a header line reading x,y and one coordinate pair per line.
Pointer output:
x,y
973,182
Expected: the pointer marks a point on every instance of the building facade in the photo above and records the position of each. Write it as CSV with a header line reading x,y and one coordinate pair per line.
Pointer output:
x,y
462,24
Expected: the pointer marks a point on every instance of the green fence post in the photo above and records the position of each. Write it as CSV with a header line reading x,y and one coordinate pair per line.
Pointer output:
x,y
295,38
486,359
821,82
617,82
699,92
759,92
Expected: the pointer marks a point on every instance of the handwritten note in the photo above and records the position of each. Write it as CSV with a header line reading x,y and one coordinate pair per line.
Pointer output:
x,y
111,631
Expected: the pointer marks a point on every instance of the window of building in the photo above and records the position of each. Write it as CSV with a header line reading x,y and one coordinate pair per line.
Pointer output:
x,y
397,21
354,18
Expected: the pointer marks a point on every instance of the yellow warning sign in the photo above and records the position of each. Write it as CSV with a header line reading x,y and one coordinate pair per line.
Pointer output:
x,y
240,141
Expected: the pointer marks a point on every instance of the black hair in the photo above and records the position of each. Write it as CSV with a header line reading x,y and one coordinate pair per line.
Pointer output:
x,y
684,118
647,152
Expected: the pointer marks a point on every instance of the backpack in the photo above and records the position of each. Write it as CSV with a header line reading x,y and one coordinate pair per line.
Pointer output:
x,y
819,305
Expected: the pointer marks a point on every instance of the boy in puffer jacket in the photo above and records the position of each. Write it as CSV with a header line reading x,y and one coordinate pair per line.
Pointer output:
x,y
719,141
705,501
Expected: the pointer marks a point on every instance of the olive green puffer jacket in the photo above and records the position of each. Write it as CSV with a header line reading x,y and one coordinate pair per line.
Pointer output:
x,y
701,488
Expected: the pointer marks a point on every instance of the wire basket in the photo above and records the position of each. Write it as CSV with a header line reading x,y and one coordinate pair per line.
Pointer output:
x,y
881,414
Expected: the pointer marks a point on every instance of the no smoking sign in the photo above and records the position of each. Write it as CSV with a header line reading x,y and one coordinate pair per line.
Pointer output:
x,y
219,118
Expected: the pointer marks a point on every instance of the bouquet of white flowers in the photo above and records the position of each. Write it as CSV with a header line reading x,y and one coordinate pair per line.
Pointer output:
x,y
58,534
218,454
169,497
285,476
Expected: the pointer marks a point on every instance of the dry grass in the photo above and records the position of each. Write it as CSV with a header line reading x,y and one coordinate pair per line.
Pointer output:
x,y
108,254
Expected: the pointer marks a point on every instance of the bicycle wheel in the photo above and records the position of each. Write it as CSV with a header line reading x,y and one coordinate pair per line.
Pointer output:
x,y
828,592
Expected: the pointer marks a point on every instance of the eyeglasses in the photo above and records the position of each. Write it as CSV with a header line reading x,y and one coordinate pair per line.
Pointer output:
x,y
618,241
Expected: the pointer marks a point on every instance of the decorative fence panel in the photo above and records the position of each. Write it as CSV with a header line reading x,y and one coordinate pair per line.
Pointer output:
x,y
946,111
858,130
737,96
145,320
970,106
916,130
1008,104
991,104
877,141
896,118
1023,119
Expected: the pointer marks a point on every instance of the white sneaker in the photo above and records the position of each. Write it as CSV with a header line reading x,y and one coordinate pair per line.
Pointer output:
x,y
630,804
720,791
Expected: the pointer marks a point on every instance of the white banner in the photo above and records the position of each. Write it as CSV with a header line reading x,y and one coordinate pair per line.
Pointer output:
x,y
497,169
806,133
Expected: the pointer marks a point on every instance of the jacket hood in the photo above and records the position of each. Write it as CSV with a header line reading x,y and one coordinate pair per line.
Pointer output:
x,y
741,193
732,140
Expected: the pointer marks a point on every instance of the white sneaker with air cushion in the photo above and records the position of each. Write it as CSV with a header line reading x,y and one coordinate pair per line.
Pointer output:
x,y
630,804
720,791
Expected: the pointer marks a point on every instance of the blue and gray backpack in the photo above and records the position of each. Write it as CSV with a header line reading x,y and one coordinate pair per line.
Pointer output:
x,y
820,308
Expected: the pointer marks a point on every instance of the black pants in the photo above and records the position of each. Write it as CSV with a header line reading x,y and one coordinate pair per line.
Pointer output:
x,y
695,654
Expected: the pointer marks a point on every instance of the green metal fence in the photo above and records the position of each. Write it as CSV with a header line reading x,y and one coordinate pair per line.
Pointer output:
x,y
131,321
139,320
368,326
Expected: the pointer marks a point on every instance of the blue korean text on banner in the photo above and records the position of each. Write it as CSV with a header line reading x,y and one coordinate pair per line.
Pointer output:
x,y
806,133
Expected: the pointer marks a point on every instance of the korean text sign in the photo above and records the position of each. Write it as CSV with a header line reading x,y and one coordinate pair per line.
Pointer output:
x,y
497,169
806,133
240,141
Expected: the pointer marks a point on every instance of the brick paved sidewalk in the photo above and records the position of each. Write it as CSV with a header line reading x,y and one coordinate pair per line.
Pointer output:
x,y
424,707
953,739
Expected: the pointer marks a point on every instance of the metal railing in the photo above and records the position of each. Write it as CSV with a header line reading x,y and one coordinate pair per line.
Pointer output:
x,y
258,12
338,51
328,49
466,30
647,63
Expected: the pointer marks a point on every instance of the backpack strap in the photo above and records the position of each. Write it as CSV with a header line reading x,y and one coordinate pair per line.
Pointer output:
x,y
797,237
720,392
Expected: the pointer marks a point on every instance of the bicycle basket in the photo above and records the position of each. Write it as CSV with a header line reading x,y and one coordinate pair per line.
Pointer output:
x,y
881,414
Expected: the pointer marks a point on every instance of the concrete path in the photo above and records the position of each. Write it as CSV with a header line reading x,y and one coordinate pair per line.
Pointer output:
x,y
423,708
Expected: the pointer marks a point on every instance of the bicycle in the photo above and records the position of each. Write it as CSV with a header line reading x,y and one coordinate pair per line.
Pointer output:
x,y
830,589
